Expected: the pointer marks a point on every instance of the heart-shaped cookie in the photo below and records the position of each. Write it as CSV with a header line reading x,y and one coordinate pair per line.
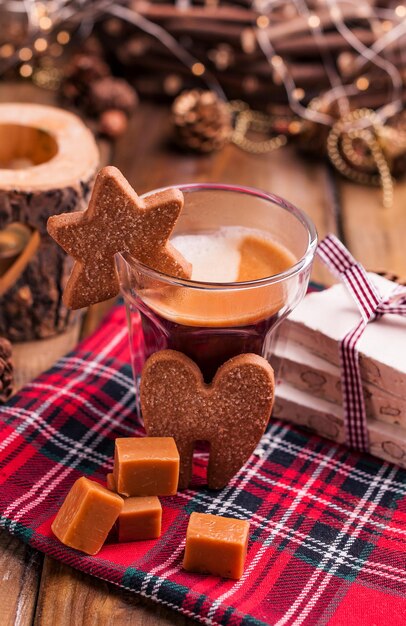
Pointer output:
x,y
231,413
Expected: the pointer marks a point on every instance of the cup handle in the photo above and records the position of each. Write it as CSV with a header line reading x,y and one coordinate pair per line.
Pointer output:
x,y
14,272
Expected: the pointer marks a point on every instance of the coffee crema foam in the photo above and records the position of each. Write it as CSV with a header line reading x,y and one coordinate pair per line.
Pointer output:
x,y
233,254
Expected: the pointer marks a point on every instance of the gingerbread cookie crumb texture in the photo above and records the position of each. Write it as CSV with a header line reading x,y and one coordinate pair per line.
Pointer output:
x,y
117,220
231,413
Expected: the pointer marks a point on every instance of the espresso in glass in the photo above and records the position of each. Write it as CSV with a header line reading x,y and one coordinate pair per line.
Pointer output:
x,y
251,255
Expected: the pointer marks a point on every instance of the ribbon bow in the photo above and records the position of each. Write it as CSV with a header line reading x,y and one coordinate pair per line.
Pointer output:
x,y
372,307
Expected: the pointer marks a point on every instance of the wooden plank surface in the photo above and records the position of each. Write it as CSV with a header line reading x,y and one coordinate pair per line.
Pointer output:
x,y
70,598
146,157
375,235
20,571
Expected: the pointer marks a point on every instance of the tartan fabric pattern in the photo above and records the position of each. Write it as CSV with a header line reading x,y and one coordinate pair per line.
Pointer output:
x,y
327,525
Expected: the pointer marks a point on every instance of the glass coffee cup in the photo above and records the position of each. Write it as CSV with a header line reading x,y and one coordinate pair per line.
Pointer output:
x,y
213,321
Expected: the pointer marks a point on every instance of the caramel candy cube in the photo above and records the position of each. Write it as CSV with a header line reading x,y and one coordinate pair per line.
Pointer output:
x,y
216,545
110,482
140,518
86,516
146,466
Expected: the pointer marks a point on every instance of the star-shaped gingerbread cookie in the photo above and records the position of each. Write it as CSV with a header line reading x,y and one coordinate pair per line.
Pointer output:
x,y
117,220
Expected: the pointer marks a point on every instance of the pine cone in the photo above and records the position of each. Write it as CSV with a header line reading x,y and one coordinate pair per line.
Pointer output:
x,y
312,138
202,120
110,93
6,370
79,74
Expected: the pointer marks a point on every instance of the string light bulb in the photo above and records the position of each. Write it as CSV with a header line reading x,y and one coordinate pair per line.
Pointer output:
x,y
63,37
298,93
313,21
45,22
7,51
400,10
295,127
362,83
26,70
40,44
172,84
25,54
386,26
198,69
263,21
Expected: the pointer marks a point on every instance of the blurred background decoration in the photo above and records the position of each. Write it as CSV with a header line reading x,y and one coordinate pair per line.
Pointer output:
x,y
328,75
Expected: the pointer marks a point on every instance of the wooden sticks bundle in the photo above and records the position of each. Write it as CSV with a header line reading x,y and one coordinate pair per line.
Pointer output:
x,y
224,39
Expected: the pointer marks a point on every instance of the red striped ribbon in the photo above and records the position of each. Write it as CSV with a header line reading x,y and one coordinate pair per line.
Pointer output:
x,y
372,307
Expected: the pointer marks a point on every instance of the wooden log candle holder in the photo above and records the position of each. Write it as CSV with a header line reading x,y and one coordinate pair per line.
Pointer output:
x,y
48,160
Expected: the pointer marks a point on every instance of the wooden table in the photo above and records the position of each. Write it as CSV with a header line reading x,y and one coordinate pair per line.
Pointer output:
x,y
38,590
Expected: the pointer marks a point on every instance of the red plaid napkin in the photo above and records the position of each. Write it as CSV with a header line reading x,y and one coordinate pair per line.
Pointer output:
x,y
328,526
